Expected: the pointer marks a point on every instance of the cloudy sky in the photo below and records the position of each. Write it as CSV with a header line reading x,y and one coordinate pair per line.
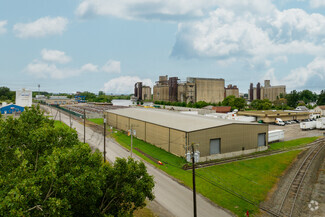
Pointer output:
x,y
78,45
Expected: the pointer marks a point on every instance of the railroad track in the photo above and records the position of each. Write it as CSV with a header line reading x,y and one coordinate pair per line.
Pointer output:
x,y
253,156
288,203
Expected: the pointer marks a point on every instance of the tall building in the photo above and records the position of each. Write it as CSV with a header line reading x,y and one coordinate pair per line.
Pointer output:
x,y
231,90
267,92
193,90
142,92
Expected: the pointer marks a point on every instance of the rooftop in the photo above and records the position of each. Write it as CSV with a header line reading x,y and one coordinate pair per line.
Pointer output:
x,y
271,113
174,120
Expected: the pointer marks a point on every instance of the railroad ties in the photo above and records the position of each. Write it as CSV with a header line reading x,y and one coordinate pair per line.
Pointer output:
x,y
288,204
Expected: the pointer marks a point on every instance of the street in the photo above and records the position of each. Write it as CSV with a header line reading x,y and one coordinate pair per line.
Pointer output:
x,y
171,195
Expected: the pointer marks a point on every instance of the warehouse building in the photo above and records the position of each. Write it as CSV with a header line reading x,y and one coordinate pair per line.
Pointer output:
x,y
11,109
270,116
175,132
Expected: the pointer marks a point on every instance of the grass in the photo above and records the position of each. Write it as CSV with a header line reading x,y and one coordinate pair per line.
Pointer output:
x,y
99,121
60,124
251,178
291,143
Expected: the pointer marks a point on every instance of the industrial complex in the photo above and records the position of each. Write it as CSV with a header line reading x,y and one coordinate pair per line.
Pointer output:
x,y
267,92
175,132
193,90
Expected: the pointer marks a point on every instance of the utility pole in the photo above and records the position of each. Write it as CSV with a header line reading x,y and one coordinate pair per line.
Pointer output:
x,y
70,118
60,115
104,138
84,126
194,191
131,140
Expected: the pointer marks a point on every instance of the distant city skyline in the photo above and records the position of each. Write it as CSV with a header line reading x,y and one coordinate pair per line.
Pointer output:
x,y
108,45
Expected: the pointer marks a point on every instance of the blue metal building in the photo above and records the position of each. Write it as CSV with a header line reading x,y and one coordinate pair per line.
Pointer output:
x,y
11,109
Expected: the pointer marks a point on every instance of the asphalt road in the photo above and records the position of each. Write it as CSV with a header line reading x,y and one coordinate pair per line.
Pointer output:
x,y
171,195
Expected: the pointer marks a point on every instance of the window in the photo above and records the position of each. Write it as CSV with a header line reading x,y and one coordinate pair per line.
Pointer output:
x,y
261,139
215,146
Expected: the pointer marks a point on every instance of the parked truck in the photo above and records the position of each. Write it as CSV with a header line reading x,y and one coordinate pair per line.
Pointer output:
x,y
320,124
276,135
310,125
278,121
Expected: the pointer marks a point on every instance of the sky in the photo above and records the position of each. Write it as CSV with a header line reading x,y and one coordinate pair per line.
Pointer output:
x,y
108,45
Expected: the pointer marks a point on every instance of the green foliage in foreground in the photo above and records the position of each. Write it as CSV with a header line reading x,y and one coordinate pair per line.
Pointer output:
x,y
291,143
46,171
250,178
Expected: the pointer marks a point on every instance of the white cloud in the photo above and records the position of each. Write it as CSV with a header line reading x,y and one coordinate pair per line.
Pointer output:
x,y
41,69
89,67
3,24
47,68
299,77
124,84
112,66
317,3
166,9
256,39
41,27
55,56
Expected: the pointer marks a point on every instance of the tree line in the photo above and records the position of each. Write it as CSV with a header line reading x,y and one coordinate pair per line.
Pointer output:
x,y
46,171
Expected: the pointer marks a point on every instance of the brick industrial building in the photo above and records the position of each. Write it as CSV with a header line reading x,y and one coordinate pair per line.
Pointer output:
x,y
210,90
267,92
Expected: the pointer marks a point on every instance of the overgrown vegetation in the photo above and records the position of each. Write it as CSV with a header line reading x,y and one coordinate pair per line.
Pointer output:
x,y
46,171
252,179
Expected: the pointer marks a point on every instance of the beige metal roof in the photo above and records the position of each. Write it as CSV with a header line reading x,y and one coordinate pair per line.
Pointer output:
x,y
174,120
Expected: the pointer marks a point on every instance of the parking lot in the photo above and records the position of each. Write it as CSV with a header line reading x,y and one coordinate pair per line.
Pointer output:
x,y
293,131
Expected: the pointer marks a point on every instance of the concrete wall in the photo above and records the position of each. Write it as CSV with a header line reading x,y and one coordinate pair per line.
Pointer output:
x,y
160,93
233,137
146,93
209,90
232,92
272,93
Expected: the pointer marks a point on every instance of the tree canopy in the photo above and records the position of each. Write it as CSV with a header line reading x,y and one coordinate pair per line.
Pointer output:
x,y
46,171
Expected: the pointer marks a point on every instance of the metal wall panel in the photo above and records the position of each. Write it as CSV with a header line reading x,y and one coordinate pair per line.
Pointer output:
x,y
177,142
111,119
139,127
157,135
233,137
123,123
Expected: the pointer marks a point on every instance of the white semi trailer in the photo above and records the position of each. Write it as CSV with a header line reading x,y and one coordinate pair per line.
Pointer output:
x,y
308,125
320,124
276,135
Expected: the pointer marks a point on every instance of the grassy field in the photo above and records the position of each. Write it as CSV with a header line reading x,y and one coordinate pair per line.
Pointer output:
x,y
60,124
99,121
291,143
251,178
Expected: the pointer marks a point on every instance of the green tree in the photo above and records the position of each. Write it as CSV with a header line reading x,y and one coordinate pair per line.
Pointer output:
x,y
235,103
292,98
307,96
264,104
321,98
46,171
